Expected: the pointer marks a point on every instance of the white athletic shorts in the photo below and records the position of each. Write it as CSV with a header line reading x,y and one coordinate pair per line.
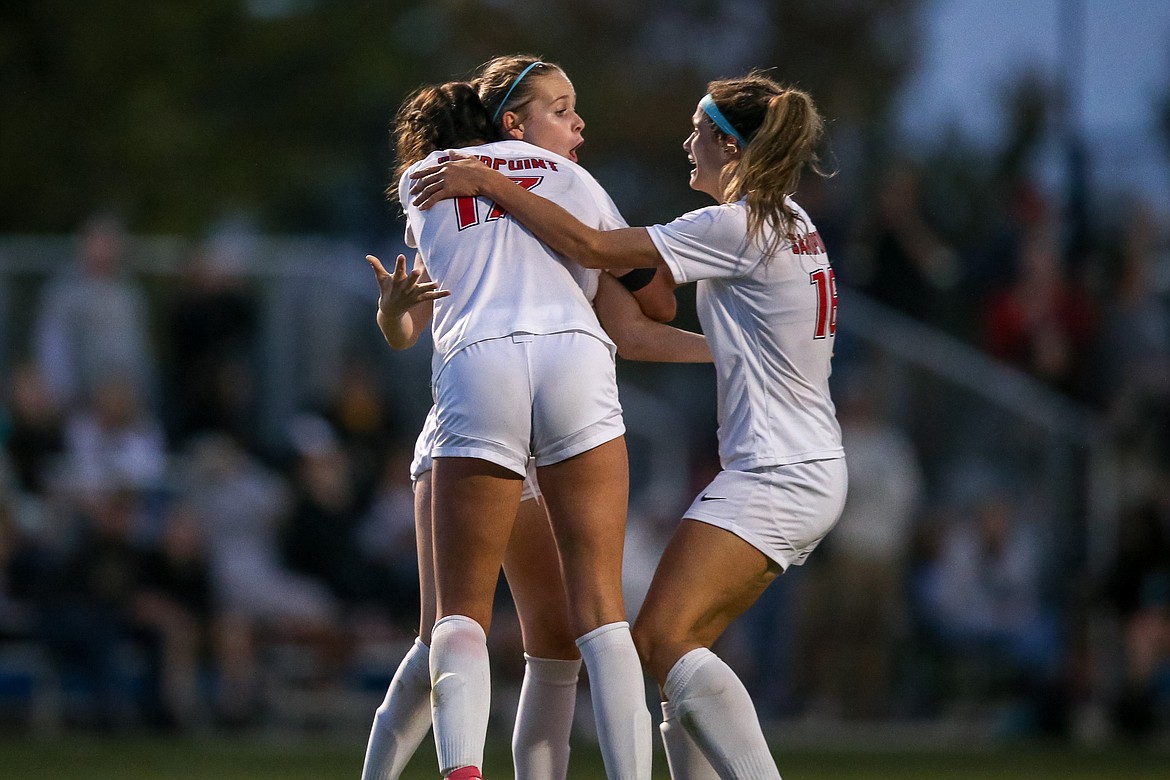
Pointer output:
x,y
782,511
423,462
549,396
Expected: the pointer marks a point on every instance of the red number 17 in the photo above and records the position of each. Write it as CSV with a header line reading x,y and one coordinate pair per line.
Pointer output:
x,y
467,208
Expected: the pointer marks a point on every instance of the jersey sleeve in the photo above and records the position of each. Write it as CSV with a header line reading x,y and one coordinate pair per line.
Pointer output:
x,y
710,243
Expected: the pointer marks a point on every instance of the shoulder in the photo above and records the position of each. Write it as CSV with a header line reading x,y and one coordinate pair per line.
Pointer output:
x,y
727,220
431,159
707,243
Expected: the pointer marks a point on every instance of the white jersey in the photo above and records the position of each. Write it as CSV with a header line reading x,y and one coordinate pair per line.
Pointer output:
x,y
501,278
770,322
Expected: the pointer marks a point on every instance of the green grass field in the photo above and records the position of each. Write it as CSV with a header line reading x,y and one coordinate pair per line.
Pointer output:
x,y
288,759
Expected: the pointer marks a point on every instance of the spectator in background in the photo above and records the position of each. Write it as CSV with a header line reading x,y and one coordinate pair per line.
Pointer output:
x,y
1042,323
213,332
1137,587
898,258
1021,207
15,611
92,321
319,537
242,506
386,536
174,599
26,564
1134,346
854,595
363,419
113,439
88,617
981,601
35,439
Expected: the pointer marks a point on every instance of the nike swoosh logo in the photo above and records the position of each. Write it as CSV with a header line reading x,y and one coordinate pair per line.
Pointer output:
x,y
712,498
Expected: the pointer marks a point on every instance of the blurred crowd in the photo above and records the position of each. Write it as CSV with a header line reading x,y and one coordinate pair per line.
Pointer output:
x,y
148,536
156,545
956,558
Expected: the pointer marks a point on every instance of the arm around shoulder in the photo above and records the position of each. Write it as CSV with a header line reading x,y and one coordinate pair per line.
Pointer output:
x,y
567,235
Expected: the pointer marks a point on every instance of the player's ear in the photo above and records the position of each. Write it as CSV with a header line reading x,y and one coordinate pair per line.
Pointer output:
x,y
513,125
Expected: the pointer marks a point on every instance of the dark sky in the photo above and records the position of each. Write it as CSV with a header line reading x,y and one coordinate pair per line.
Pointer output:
x,y
973,46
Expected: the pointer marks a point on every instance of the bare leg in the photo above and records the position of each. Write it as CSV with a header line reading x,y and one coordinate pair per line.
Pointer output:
x,y
402,721
548,696
532,567
475,505
707,577
587,497
404,718
424,547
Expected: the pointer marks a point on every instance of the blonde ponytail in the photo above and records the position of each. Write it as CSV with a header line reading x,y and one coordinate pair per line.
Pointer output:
x,y
784,130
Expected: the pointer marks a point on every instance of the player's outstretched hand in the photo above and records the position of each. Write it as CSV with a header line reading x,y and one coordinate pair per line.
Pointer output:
x,y
459,177
399,291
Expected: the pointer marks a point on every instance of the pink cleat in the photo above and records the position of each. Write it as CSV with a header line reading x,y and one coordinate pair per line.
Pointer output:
x,y
466,773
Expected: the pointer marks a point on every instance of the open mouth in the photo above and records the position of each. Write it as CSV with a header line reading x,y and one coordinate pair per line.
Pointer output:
x,y
573,152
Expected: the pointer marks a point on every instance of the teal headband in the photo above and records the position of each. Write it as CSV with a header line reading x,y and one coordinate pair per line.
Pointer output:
x,y
508,94
712,110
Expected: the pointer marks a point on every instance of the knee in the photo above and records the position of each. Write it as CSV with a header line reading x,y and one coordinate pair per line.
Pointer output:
x,y
657,646
550,642
642,641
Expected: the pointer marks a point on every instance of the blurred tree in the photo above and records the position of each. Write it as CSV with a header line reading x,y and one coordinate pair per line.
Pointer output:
x,y
179,112
639,69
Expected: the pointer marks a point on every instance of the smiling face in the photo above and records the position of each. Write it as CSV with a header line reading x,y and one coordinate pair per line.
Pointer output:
x,y
708,152
549,119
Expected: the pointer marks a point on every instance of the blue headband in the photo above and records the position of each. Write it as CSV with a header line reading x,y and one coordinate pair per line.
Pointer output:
x,y
508,94
712,110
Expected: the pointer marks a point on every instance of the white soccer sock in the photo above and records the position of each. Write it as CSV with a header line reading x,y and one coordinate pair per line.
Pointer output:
x,y
460,692
716,710
544,717
619,700
404,718
683,757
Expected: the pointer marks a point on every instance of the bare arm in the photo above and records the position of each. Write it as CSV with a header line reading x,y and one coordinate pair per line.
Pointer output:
x,y
640,338
657,299
405,301
560,230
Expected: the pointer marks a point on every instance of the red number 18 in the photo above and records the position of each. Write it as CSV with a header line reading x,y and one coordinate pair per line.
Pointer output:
x,y
826,284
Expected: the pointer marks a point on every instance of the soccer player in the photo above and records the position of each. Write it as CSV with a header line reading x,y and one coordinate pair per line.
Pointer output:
x,y
548,693
544,124
767,303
